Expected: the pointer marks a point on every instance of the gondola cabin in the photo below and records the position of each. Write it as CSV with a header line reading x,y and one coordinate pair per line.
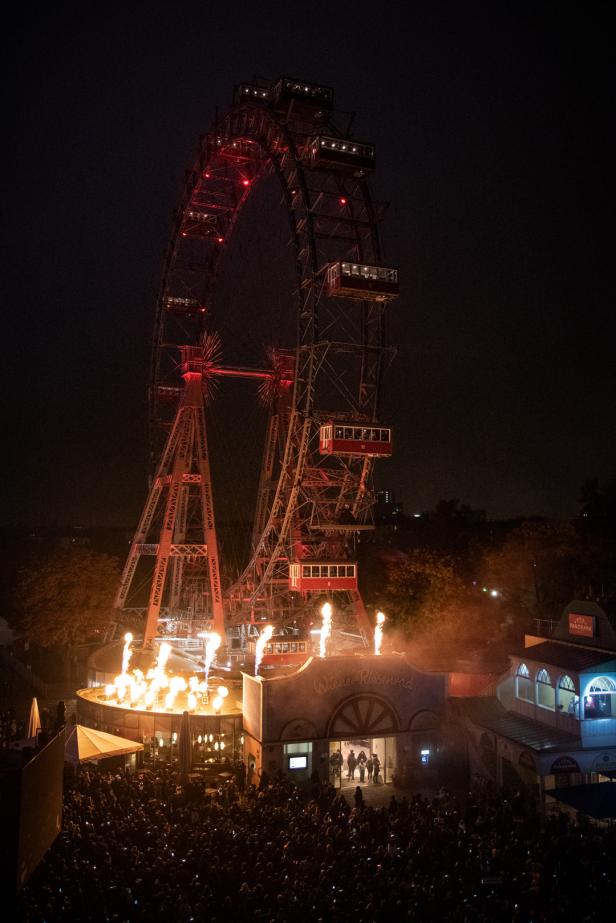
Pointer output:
x,y
286,650
359,280
322,576
183,307
251,93
344,439
303,95
341,155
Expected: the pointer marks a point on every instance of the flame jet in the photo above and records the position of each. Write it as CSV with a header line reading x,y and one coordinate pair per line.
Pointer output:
x,y
212,643
378,633
264,637
326,628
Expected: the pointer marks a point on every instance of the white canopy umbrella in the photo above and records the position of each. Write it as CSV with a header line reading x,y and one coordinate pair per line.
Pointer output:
x,y
34,720
82,744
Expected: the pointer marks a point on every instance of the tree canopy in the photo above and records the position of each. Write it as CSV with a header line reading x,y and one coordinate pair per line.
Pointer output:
x,y
64,596
420,585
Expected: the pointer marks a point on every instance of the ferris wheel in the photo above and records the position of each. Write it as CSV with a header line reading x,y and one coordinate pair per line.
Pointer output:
x,y
320,383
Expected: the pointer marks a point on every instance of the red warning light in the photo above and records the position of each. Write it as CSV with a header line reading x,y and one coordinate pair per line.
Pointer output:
x,y
220,240
207,175
342,200
245,182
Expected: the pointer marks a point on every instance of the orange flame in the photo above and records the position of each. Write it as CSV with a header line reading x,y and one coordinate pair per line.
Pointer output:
x,y
264,637
378,633
326,628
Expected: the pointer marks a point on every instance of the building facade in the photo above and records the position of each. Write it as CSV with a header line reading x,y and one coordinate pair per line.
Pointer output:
x,y
311,720
552,722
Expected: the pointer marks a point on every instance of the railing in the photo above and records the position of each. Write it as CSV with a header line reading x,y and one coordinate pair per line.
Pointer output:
x,y
545,627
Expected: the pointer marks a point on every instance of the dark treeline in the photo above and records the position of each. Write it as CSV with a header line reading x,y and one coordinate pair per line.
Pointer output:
x,y
453,577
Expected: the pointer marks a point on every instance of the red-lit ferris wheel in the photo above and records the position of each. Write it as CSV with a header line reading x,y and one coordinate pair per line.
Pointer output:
x,y
320,381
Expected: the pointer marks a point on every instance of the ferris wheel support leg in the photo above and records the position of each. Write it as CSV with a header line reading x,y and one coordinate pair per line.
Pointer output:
x,y
147,516
180,467
207,506
133,556
267,470
303,431
361,493
177,563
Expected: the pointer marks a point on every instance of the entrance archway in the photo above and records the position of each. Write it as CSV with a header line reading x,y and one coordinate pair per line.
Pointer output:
x,y
363,716
364,726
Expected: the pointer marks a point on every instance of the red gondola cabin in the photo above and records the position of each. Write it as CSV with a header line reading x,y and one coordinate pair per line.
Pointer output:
x,y
323,576
286,650
345,439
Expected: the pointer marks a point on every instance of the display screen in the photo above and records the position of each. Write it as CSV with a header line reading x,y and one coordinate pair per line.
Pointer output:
x,y
298,762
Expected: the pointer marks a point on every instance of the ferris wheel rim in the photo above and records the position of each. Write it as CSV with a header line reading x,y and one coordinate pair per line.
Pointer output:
x,y
307,272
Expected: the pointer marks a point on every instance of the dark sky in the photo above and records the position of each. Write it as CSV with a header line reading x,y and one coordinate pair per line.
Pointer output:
x,y
490,122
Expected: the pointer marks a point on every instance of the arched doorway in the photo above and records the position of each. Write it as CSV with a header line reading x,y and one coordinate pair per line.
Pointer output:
x,y
363,750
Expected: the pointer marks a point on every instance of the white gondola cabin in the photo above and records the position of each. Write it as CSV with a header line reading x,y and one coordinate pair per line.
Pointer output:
x,y
251,93
340,154
346,439
359,280
341,575
302,94
183,307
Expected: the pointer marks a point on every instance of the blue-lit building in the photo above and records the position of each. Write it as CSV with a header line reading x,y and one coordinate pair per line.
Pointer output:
x,y
552,722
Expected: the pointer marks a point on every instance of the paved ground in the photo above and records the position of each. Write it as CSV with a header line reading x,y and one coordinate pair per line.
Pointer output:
x,y
378,796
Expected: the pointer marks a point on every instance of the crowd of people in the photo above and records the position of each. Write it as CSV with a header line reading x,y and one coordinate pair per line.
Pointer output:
x,y
142,847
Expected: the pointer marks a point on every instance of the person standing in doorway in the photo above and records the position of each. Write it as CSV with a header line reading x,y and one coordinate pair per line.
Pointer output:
x,y
370,767
351,763
376,768
335,761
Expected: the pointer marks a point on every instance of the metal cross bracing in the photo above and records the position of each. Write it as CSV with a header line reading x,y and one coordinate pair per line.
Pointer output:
x,y
307,506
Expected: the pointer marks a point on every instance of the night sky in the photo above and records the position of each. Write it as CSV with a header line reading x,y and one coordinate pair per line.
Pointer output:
x,y
490,122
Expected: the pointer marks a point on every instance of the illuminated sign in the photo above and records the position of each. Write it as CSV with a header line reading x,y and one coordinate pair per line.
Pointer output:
x,y
581,625
564,764
366,677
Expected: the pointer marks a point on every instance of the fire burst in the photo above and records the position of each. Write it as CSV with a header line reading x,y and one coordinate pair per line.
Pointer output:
x,y
157,688
264,637
326,628
212,643
127,653
378,633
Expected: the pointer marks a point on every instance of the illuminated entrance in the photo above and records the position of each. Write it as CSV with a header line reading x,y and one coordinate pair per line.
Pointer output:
x,y
369,755
365,751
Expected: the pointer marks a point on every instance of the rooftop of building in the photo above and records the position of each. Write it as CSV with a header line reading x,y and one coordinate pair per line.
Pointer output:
x,y
487,712
566,656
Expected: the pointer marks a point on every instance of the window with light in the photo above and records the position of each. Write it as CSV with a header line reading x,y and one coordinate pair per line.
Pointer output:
x,y
567,697
524,684
546,697
599,698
